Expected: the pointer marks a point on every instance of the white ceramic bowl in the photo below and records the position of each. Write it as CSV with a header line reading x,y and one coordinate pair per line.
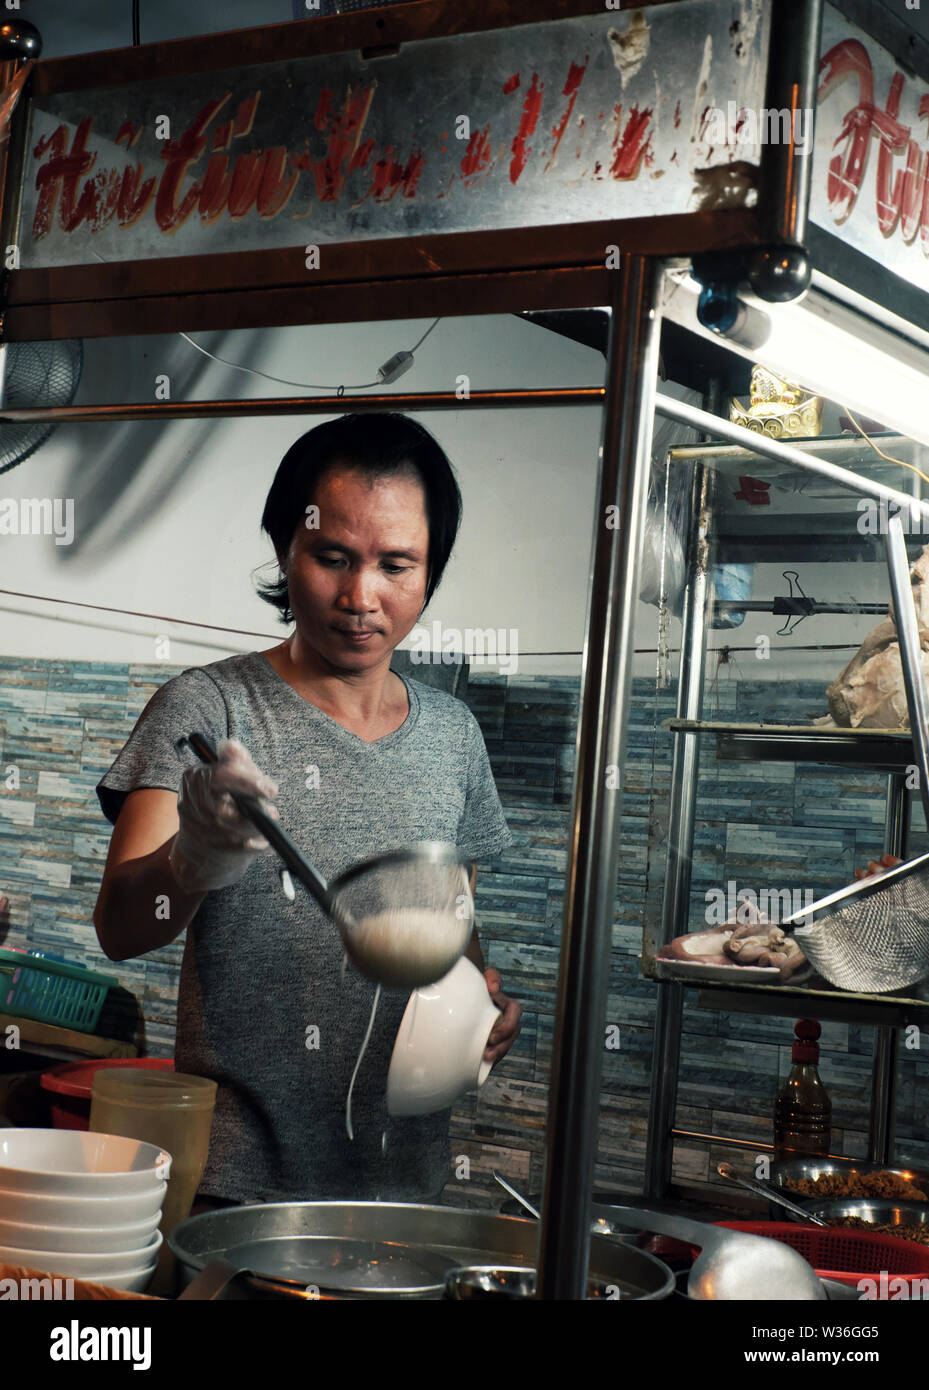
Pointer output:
x,y
81,1265
79,1238
91,1213
136,1281
78,1163
439,1052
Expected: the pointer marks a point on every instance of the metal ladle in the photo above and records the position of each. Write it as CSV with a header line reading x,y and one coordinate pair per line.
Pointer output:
x,y
726,1170
731,1264
598,1227
430,875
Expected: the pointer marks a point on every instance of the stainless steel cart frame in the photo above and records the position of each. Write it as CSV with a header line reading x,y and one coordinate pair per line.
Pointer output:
x,y
520,237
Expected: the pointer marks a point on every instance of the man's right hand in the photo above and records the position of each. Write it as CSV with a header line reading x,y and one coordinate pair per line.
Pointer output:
x,y
215,844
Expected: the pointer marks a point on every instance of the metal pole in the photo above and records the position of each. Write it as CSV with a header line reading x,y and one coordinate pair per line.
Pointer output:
x,y
917,697
713,425
20,43
883,1122
884,1075
787,165
659,1150
590,890
883,1125
886,1042
308,405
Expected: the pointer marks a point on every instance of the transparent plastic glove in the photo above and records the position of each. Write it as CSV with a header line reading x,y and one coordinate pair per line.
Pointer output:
x,y
215,844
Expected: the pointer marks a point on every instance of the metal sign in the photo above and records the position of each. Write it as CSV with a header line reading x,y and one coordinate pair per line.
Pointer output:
x,y
871,165
603,116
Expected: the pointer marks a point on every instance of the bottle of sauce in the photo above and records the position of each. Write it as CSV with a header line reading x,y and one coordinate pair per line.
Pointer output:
x,y
803,1110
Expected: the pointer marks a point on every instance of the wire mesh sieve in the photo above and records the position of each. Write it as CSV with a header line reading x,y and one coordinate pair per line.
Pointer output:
x,y
874,935
405,918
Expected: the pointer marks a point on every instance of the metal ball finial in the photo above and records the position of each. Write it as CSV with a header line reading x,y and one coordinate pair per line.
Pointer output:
x,y
779,274
19,39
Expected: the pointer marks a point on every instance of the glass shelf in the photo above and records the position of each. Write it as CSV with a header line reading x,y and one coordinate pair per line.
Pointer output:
x,y
889,750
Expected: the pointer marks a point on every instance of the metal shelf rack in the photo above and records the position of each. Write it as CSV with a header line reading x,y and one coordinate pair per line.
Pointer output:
x,y
881,749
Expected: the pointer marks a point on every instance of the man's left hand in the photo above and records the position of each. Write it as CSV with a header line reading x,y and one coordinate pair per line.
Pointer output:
x,y
506,1029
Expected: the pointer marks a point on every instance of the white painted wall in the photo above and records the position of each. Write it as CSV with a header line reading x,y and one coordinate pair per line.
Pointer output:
x,y
167,516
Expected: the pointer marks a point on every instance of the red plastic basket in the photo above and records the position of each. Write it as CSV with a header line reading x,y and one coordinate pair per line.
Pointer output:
x,y
848,1256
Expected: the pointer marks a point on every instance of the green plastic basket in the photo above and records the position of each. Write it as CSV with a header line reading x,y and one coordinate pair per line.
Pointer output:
x,y
49,991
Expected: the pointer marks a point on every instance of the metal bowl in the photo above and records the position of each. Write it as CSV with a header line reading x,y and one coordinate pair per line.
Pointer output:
x,y
382,1249
787,1170
874,1210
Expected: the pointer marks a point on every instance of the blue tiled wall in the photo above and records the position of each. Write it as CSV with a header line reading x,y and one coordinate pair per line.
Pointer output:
x,y
61,725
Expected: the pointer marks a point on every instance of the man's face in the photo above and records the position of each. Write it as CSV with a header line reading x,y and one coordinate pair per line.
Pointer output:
x,y
357,583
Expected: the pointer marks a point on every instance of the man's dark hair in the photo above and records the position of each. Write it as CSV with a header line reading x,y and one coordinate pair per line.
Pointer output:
x,y
381,444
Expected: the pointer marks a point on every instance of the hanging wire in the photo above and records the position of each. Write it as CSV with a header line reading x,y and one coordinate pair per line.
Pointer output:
x,y
865,436
306,385
248,632
253,371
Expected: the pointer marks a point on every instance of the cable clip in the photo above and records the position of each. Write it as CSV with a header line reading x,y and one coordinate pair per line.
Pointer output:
x,y
796,605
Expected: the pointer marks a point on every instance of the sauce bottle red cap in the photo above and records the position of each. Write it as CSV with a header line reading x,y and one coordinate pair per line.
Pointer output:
x,y
806,1048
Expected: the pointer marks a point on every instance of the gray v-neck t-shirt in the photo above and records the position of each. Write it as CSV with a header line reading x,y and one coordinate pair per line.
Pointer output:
x,y
264,1006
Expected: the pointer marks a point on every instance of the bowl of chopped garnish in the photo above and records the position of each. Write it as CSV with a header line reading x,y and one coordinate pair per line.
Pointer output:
x,y
859,1195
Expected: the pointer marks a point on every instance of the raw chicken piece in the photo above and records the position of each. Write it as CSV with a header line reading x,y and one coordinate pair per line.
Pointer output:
x,y
870,693
760,943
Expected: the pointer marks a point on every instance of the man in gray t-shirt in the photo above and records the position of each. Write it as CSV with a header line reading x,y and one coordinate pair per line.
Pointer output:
x,y
265,1007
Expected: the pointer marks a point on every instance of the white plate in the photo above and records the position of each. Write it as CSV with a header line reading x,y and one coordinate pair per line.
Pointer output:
x,y
730,974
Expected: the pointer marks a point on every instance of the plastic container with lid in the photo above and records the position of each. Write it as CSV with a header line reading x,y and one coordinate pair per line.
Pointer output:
x,y
175,1106
70,1086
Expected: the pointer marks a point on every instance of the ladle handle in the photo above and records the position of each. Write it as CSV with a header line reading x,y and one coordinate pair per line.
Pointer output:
x,y
251,807
662,1223
725,1170
212,1281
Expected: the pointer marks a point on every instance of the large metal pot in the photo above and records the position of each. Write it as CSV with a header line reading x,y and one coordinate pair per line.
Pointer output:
x,y
375,1250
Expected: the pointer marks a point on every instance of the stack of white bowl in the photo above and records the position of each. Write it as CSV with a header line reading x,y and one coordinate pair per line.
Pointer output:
x,y
81,1205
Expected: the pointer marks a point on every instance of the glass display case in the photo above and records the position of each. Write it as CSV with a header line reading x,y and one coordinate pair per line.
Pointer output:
x,y
781,724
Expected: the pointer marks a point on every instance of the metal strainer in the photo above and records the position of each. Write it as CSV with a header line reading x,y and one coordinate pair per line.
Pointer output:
x,y
873,936
405,917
